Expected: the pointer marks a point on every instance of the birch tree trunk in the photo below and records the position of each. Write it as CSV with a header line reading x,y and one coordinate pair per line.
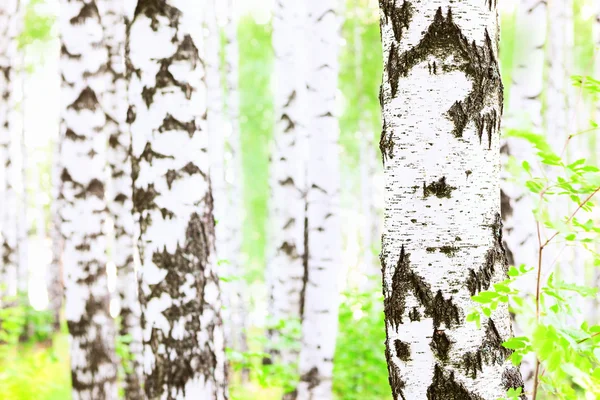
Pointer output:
x,y
8,77
323,242
524,112
56,270
120,204
559,95
286,266
236,289
183,335
441,97
83,206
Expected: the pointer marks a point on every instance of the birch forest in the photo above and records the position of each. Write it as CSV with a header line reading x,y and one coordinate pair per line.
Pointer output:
x,y
299,199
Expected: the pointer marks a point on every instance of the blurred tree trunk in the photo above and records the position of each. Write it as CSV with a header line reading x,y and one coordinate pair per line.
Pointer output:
x,y
369,269
8,177
183,334
324,240
55,277
119,193
285,272
237,288
558,95
442,243
525,113
82,201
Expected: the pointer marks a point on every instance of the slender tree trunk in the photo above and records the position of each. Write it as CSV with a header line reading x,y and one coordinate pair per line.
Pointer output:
x,y
22,224
558,110
55,277
182,330
369,269
285,269
441,97
324,241
83,205
120,204
524,112
8,80
233,177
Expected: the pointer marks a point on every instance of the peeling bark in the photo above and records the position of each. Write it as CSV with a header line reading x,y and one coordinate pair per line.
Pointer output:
x,y
323,224
183,335
441,98
82,203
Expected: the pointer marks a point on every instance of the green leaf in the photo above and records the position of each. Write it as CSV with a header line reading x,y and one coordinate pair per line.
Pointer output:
x,y
516,343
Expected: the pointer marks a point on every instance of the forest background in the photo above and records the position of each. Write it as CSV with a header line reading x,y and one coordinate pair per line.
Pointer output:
x,y
39,368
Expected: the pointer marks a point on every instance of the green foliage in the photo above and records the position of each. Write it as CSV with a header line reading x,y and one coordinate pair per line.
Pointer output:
x,y
21,322
360,369
37,24
564,191
264,370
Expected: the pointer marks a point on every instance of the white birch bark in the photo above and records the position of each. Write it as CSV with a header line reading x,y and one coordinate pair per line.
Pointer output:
x,y
22,224
324,242
8,81
83,206
119,193
285,271
442,243
183,337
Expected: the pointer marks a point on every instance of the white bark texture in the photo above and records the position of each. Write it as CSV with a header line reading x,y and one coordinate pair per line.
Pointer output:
x,y
442,243
119,193
183,336
285,269
82,201
324,240
8,175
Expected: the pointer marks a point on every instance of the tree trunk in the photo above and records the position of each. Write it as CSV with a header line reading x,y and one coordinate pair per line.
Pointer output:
x,y
55,277
120,204
442,243
285,271
8,80
233,177
324,241
182,330
558,108
524,112
83,205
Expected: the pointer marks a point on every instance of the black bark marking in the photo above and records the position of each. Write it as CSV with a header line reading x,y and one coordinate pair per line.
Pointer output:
x,y
397,384
440,345
489,352
400,16
402,350
304,263
511,379
88,10
86,100
444,311
445,41
414,314
445,387
311,377
404,282
439,189
386,143
450,251
481,279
